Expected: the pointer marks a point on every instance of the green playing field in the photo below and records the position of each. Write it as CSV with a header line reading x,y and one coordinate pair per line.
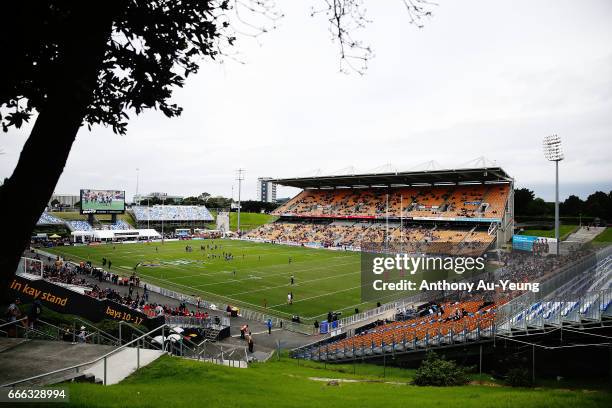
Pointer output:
x,y
257,276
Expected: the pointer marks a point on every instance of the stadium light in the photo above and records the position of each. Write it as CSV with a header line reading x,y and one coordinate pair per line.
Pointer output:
x,y
240,177
554,152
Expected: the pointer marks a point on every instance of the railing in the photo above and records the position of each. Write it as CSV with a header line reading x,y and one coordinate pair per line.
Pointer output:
x,y
401,344
561,309
547,287
103,358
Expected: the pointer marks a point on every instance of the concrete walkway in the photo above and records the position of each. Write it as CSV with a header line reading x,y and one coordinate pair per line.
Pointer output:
x,y
35,357
584,234
123,363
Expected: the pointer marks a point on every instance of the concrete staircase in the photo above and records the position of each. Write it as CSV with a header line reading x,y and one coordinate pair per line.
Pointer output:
x,y
24,359
122,364
20,359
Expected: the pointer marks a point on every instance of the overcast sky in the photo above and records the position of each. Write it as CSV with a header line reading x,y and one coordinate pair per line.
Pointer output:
x,y
482,78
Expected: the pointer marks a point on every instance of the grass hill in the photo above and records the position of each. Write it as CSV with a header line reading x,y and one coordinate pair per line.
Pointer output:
x,y
173,382
564,231
605,236
248,221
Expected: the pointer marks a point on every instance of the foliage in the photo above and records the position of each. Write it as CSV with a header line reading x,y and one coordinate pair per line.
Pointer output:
x,y
154,47
437,371
257,206
598,204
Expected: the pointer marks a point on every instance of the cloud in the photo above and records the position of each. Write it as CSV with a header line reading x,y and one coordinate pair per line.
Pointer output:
x,y
481,79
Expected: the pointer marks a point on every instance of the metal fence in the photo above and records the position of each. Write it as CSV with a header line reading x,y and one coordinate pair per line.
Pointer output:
x,y
523,302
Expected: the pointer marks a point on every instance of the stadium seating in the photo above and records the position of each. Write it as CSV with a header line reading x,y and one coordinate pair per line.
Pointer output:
x,y
171,213
446,322
77,225
465,201
120,225
46,219
584,298
353,234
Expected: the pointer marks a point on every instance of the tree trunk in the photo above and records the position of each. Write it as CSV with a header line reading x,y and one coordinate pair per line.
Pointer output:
x,y
25,194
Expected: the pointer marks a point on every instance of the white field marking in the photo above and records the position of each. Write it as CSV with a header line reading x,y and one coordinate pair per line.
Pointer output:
x,y
318,296
346,255
236,301
263,275
175,268
288,285
263,271
218,296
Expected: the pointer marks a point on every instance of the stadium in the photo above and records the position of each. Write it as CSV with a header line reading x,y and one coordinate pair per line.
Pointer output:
x,y
195,260
300,278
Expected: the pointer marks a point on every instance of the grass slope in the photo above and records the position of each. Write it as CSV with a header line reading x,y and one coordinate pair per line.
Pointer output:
x,y
324,280
564,231
605,236
171,382
248,221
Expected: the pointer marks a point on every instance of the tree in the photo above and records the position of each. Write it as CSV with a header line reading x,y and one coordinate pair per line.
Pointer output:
x,y
77,63
522,198
55,202
599,205
539,207
572,206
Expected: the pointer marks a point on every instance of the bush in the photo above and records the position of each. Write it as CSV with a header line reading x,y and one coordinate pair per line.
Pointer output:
x,y
519,377
439,372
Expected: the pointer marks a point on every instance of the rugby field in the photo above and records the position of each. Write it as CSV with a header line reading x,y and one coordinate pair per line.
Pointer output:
x,y
257,278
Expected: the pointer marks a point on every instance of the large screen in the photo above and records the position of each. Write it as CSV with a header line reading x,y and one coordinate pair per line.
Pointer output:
x,y
102,202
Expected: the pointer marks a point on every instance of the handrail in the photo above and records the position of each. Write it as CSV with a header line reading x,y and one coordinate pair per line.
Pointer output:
x,y
98,329
13,322
30,329
76,366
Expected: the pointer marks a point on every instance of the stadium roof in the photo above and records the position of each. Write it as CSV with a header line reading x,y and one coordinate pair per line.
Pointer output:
x,y
398,179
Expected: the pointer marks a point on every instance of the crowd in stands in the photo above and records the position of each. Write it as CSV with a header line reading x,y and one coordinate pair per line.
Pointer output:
x,y
46,219
353,234
85,275
171,213
482,201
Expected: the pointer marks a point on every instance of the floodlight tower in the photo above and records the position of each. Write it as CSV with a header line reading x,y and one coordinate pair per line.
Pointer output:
x,y
239,178
553,152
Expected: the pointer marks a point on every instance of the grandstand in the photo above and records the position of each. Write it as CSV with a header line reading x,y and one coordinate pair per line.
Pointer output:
x,y
576,294
460,207
49,219
171,216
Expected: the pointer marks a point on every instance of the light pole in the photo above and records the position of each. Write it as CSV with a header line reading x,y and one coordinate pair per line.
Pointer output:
x,y
240,178
553,152
137,177
163,214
